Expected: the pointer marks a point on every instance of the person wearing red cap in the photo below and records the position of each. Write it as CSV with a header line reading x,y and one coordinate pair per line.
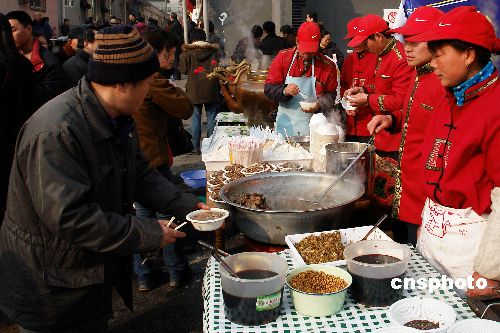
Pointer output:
x,y
298,73
461,216
424,94
391,81
357,71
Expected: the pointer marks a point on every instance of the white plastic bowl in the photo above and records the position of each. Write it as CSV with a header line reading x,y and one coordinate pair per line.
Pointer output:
x,y
422,308
208,225
346,105
307,105
475,326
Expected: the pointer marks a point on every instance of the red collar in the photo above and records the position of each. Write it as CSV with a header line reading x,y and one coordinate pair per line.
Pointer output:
x,y
36,57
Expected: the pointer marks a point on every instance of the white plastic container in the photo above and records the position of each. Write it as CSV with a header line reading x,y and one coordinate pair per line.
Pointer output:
x,y
423,308
475,326
208,225
349,235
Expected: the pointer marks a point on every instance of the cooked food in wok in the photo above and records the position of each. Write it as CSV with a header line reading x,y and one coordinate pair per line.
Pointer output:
x,y
251,200
322,248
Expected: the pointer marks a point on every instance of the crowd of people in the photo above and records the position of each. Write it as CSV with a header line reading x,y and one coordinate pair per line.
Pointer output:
x,y
90,133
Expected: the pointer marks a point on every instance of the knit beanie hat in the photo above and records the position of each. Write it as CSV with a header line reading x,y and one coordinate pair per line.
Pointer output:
x,y
121,56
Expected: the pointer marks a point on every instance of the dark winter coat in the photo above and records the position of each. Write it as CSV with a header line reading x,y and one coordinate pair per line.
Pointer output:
x,y
272,44
199,88
332,49
49,76
16,93
68,236
76,67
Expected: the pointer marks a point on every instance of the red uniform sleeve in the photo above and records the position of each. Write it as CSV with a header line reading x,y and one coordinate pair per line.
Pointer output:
x,y
393,101
346,74
277,71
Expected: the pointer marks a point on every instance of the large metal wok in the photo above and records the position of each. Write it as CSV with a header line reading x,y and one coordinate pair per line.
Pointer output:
x,y
288,214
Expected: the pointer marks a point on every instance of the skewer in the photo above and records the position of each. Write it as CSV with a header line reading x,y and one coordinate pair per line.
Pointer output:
x,y
170,222
180,226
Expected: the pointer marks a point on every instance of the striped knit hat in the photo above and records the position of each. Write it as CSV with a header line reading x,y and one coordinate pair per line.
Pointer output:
x,y
121,56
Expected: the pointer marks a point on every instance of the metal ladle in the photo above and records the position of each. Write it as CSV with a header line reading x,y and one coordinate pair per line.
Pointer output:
x,y
380,220
316,199
224,264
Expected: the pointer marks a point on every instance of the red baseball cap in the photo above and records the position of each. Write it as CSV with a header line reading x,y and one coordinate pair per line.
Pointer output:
x,y
463,23
352,28
308,37
422,19
368,25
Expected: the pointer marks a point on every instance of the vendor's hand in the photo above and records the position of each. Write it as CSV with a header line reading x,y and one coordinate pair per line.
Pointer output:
x,y
169,235
358,100
353,91
311,110
492,287
291,90
201,205
351,112
379,123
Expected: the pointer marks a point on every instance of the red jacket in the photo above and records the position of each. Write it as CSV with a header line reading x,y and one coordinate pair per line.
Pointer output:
x,y
358,71
391,82
471,134
425,93
324,71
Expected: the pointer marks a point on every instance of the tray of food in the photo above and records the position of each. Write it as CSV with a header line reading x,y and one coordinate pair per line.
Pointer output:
x,y
327,247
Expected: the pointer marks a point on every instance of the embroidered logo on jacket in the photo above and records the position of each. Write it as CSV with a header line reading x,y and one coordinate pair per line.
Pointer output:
x,y
438,155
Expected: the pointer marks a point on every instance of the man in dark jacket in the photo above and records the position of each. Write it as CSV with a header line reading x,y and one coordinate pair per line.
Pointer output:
x,y
68,233
49,77
76,67
175,28
271,43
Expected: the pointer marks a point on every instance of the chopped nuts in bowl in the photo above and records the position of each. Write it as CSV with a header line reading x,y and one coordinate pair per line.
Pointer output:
x,y
318,290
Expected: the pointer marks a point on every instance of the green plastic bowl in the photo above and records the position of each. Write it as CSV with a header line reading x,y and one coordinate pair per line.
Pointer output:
x,y
319,305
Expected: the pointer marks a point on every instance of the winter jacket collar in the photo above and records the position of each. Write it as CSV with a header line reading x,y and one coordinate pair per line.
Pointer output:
x,y
83,55
36,55
97,117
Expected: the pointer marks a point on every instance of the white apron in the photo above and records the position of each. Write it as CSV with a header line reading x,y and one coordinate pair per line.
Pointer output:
x,y
449,238
291,120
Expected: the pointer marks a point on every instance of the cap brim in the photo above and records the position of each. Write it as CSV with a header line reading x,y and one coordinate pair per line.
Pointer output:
x,y
308,46
426,37
349,36
407,31
357,40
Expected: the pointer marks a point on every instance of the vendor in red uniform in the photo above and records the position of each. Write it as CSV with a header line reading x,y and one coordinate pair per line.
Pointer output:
x,y
303,70
461,151
391,79
358,71
424,94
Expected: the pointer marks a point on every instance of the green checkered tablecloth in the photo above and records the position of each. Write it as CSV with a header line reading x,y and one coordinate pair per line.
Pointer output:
x,y
352,318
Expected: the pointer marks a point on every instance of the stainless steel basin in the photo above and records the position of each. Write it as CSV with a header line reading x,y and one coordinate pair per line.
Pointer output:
x,y
288,214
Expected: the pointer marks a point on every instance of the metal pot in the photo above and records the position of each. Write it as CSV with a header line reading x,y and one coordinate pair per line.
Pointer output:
x,y
339,155
289,215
